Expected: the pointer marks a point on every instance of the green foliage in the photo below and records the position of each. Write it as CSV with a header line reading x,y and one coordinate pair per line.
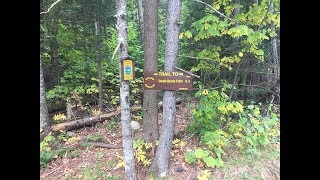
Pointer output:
x,y
95,171
51,147
200,155
203,175
94,137
222,124
46,153
220,44
140,151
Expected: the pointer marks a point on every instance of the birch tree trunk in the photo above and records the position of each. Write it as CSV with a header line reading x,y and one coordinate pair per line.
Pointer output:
x,y
44,116
98,59
124,93
150,105
85,58
161,163
275,50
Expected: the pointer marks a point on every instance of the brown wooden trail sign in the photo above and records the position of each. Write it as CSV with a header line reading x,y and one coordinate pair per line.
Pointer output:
x,y
171,81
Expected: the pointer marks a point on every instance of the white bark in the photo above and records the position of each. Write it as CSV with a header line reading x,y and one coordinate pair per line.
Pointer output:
x,y
124,93
275,50
44,117
52,5
161,163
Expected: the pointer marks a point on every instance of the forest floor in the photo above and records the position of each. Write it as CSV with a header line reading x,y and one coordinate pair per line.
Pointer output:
x,y
87,162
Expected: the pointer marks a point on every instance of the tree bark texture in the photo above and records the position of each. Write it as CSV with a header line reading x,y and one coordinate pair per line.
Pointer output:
x,y
275,51
53,32
150,105
44,116
70,125
161,162
127,142
140,18
98,59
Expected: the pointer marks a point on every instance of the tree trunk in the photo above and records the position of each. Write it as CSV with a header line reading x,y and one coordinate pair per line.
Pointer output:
x,y
44,116
275,51
83,122
98,59
236,11
127,142
106,39
161,162
53,32
85,58
150,105
140,18
255,1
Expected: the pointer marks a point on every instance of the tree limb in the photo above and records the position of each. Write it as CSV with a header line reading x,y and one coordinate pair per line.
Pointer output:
x,y
247,85
216,10
115,51
53,4
187,72
83,122
104,145
234,82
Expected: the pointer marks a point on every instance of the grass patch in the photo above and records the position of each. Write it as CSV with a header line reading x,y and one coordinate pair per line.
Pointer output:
x,y
93,172
94,137
75,153
264,164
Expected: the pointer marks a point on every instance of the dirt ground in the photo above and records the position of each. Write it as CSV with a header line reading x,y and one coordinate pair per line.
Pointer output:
x,y
100,163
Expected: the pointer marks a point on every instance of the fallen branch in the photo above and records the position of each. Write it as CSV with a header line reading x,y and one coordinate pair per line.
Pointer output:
x,y
187,72
215,10
50,7
104,145
83,122
115,51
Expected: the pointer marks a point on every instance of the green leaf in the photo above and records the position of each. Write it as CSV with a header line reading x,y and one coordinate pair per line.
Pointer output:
x,y
244,30
219,162
200,153
214,32
181,35
250,107
188,34
206,26
189,157
243,121
259,128
272,34
210,161
198,25
259,52
240,54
